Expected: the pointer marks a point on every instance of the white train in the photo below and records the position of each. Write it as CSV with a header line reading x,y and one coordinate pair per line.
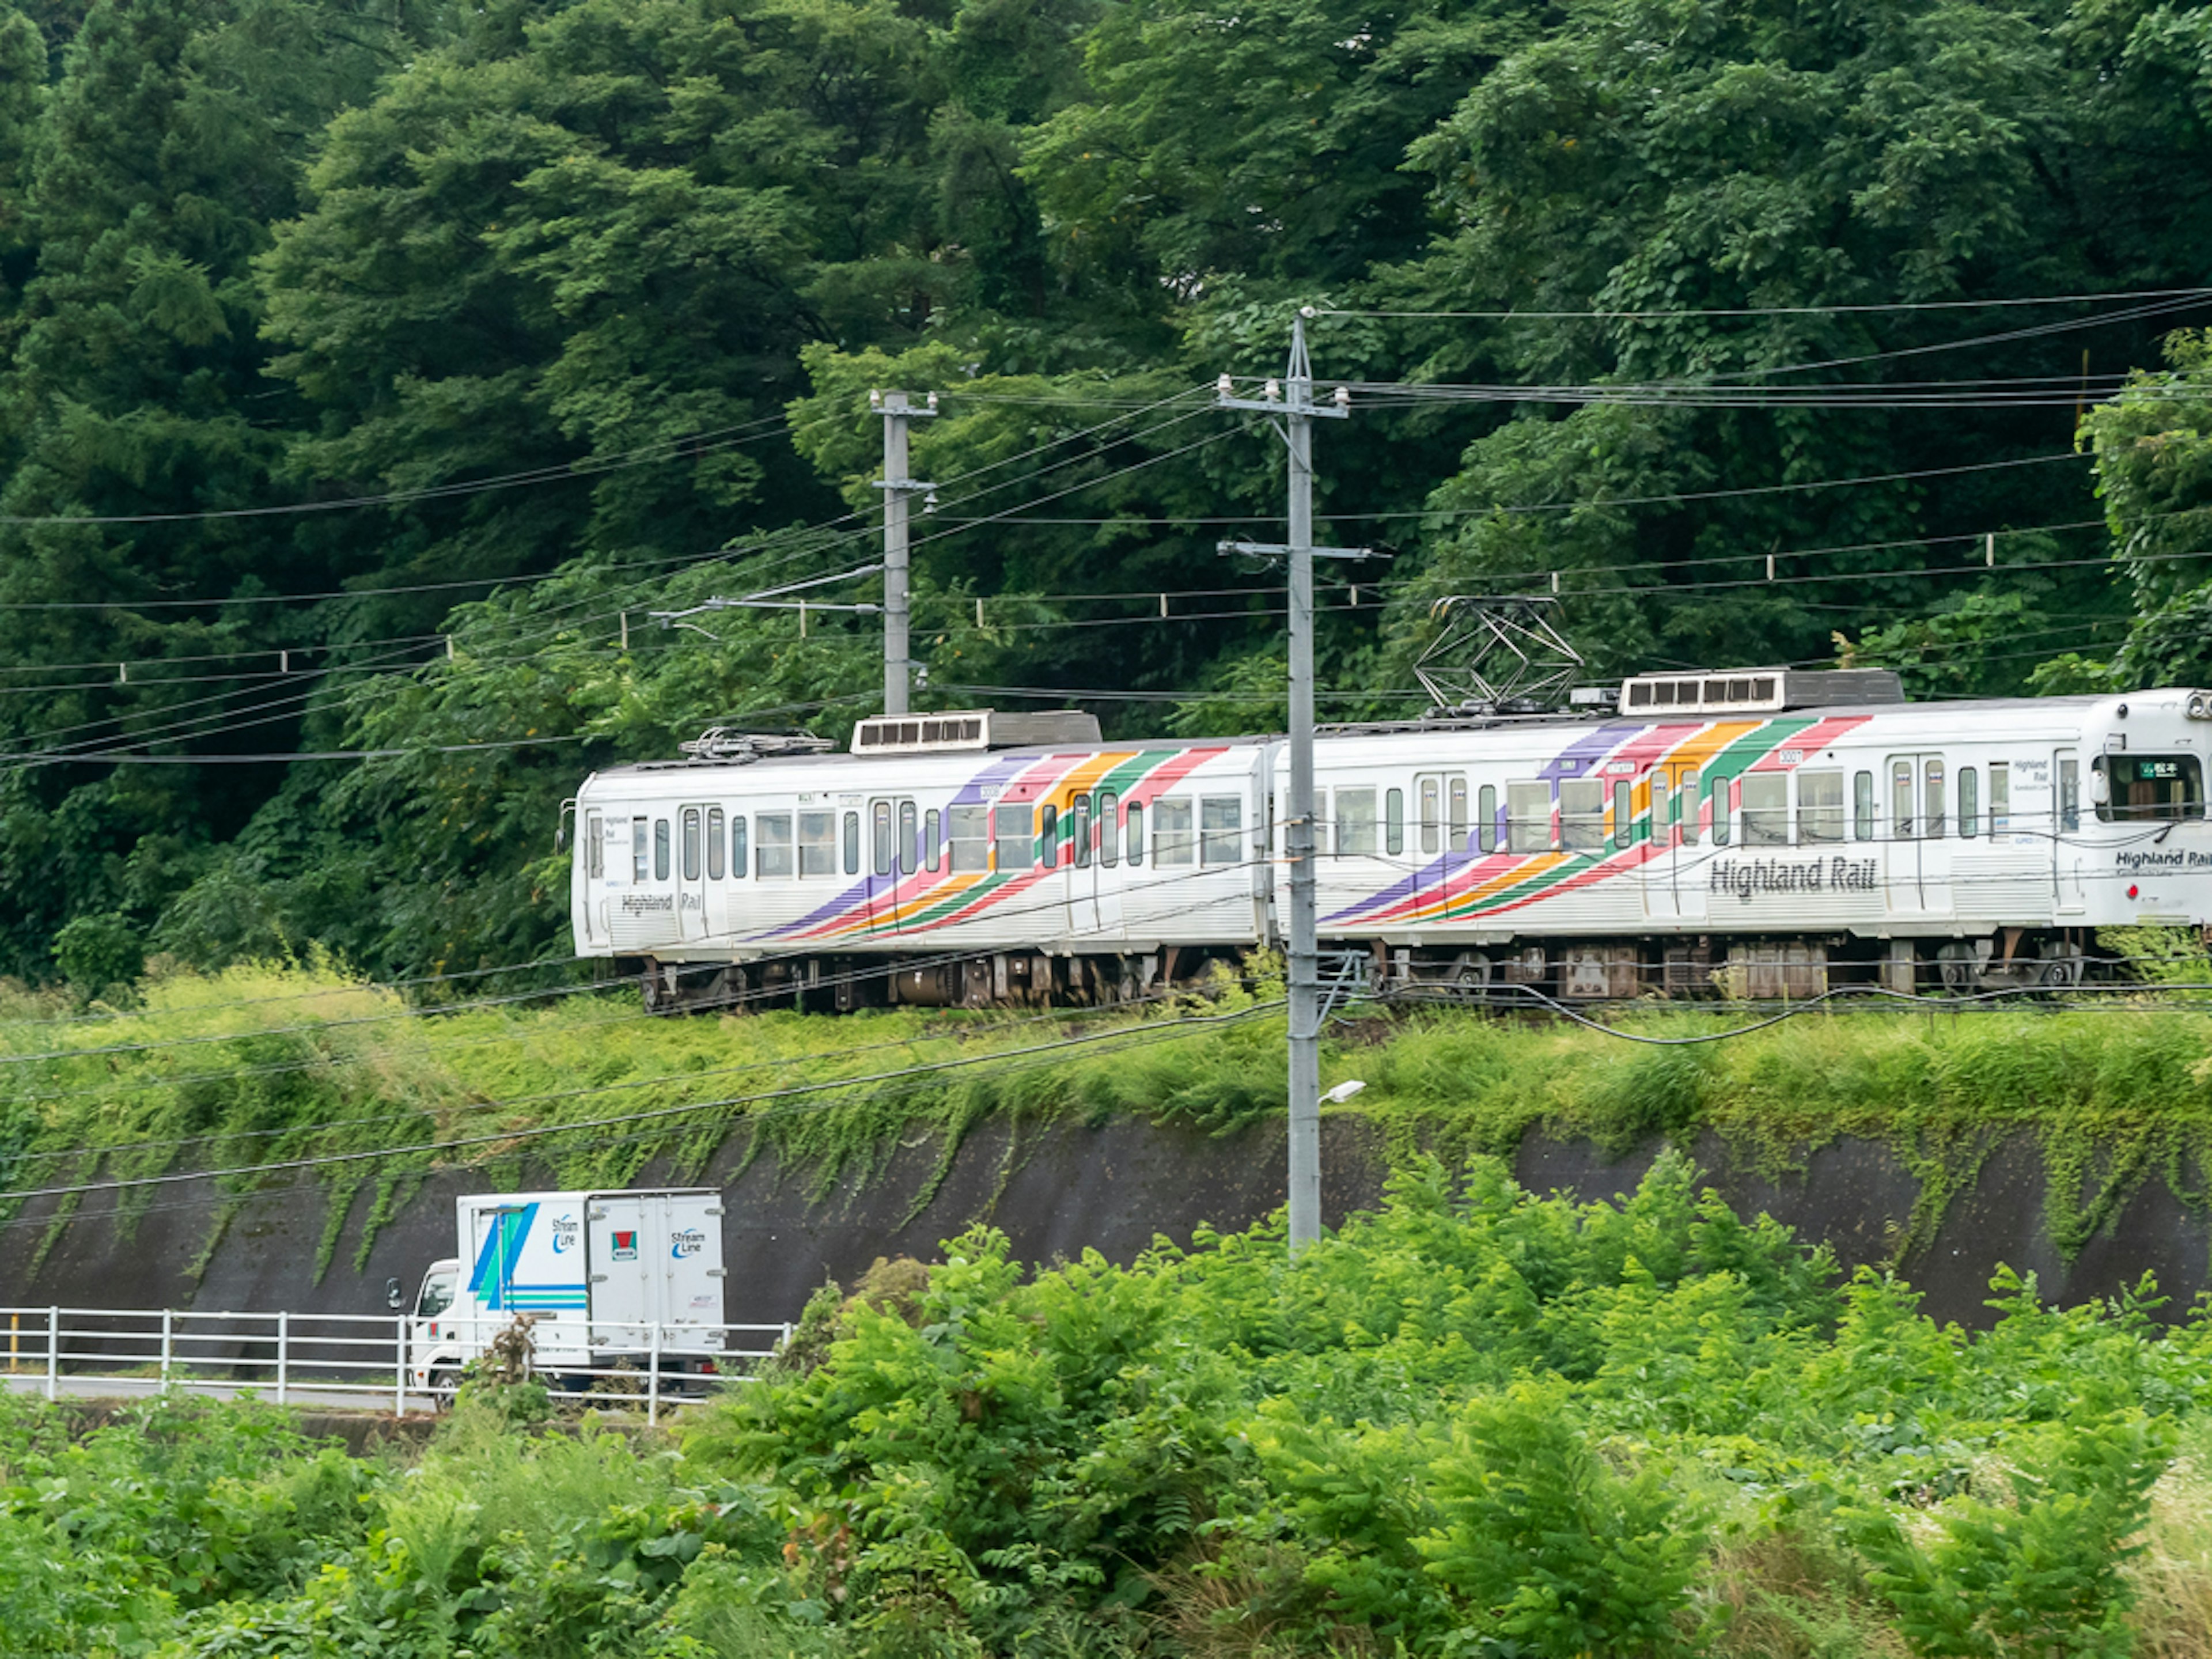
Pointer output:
x,y
1758,833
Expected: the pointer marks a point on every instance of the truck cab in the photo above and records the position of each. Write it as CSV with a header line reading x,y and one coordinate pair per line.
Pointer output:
x,y
435,1350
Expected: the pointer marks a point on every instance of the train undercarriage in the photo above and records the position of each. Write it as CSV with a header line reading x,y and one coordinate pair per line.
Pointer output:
x,y
1674,967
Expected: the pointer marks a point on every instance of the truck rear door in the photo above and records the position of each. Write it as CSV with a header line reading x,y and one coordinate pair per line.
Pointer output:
x,y
621,1274
692,1279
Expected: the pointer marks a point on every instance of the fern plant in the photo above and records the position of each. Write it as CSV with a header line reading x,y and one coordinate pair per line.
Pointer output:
x,y
2041,1577
1551,1549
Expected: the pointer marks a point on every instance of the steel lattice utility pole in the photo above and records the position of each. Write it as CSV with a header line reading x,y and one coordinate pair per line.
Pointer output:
x,y
898,491
1296,410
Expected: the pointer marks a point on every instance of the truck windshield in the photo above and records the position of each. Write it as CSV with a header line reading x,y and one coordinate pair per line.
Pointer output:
x,y
437,1295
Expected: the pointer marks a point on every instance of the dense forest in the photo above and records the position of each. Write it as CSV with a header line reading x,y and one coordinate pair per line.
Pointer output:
x,y
371,370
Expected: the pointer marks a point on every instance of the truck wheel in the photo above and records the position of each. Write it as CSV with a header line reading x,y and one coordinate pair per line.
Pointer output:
x,y
445,1382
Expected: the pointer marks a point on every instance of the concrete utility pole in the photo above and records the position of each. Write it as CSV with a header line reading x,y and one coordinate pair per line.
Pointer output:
x,y
898,491
1294,414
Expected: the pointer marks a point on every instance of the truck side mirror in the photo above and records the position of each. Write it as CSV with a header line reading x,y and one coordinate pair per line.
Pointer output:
x,y
394,1297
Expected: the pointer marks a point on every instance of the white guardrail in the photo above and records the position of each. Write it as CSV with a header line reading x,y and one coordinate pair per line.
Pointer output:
x,y
345,1359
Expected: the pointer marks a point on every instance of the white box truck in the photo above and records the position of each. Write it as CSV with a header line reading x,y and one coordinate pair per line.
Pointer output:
x,y
605,1279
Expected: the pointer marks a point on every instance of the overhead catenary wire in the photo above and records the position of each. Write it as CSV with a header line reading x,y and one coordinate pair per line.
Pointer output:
x,y
1029,904
1840,307
1111,1043
509,1137
469,1108
309,693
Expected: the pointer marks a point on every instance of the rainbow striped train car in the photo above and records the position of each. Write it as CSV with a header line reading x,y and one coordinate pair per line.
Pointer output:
x,y
1756,833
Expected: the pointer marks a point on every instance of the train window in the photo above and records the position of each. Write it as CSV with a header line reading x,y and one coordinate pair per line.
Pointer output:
x,y
1932,807
1582,815
774,845
1393,821
1688,809
1172,841
1455,802
971,831
661,850
1528,816
1136,834
1486,819
1080,835
2000,797
1766,809
2151,787
1109,829
1624,812
1722,799
1048,836
1221,824
818,844
715,846
1862,806
852,843
691,847
595,849
1015,833
1321,822
1662,811
1819,806
1900,800
738,855
1429,793
933,840
1355,823
880,824
2070,795
1970,801
639,869
910,837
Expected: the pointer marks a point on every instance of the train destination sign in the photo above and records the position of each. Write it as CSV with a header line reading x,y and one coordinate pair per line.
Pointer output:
x,y
1746,877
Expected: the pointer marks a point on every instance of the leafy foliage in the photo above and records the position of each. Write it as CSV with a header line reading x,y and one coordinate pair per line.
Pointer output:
x,y
1475,1422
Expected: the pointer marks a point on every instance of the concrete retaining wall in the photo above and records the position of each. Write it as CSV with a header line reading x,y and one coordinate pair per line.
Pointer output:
x,y
1112,1189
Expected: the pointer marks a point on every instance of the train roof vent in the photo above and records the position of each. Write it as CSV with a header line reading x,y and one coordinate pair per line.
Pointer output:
x,y
1043,727
1757,690
969,729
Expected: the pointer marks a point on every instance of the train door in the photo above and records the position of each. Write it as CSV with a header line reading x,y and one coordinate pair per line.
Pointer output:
x,y
1106,866
1674,871
691,873
1920,822
1081,873
894,854
2067,892
1440,820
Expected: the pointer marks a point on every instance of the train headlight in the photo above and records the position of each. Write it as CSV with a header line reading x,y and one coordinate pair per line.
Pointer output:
x,y
2200,705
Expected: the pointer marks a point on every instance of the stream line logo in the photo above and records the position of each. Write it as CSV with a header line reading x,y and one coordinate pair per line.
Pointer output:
x,y
493,1281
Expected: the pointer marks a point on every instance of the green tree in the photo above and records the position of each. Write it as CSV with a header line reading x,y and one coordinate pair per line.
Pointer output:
x,y
1770,168
135,426
2152,445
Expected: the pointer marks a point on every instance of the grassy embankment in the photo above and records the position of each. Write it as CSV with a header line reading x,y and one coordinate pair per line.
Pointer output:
x,y
264,1066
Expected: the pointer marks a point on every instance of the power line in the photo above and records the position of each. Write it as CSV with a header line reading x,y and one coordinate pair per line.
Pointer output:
x,y
686,448
509,1136
1785,311
464,1108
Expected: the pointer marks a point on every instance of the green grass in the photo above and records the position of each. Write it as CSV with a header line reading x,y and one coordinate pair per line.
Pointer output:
x,y
264,1065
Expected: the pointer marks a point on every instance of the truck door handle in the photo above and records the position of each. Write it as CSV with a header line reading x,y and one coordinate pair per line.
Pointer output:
x,y
598,1279
714,1273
